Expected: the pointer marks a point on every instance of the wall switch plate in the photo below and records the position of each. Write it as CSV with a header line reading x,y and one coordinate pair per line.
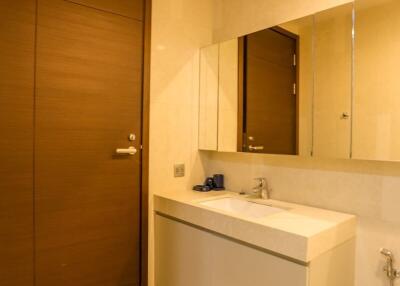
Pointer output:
x,y
179,170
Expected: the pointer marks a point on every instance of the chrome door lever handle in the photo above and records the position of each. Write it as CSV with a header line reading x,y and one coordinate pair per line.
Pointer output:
x,y
255,148
345,115
127,151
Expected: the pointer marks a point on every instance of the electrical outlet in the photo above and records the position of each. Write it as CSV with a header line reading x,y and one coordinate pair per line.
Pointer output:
x,y
179,170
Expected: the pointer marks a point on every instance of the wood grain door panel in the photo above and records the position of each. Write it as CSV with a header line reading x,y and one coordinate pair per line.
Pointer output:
x,y
89,86
128,8
270,102
17,34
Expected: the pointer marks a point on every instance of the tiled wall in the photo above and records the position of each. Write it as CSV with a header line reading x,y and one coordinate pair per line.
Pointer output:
x,y
179,29
371,190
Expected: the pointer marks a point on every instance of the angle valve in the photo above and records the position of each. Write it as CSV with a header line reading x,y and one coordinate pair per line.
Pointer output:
x,y
391,273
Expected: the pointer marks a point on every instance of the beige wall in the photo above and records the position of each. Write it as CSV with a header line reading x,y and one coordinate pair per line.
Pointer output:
x,y
179,29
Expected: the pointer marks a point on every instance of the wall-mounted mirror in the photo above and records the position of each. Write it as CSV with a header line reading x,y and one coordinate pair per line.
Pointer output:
x,y
282,90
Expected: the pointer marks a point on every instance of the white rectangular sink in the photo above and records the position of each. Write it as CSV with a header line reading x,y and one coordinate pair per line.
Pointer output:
x,y
241,207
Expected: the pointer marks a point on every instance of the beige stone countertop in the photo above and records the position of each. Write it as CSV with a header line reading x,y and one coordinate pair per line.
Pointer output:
x,y
300,232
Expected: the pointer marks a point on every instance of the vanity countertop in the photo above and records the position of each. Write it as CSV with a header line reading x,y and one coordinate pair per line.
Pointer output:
x,y
300,232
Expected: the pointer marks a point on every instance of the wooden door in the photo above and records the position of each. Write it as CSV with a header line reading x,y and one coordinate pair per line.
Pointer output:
x,y
17,34
89,87
270,119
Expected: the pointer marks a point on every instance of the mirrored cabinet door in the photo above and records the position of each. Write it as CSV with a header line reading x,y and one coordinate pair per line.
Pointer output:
x,y
218,114
208,104
376,124
228,96
333,82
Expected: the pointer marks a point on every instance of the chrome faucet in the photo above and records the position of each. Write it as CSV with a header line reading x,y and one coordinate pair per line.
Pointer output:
x,y
261,188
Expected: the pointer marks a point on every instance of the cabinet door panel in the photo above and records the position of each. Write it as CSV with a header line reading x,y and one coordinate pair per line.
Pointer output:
x,y
182,254
208,113
332,97
186,255
235,264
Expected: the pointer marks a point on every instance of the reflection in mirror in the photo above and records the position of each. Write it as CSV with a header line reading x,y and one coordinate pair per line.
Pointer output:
x,y
273,87
262,85
270,91
376,121
332,84
281,90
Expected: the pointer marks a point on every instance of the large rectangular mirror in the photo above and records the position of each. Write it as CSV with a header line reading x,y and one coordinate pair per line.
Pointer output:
x,y
282,90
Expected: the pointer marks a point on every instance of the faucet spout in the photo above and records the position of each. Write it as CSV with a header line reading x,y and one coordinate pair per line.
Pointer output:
x,y
261,188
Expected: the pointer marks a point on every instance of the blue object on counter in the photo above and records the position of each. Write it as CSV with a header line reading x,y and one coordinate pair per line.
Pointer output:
x,y
218,182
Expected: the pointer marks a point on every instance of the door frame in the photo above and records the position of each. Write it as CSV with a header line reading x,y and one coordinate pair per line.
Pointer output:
x,y
144,184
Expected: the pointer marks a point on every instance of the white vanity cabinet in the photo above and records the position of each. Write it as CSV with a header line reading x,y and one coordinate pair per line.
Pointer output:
x,y
187,255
